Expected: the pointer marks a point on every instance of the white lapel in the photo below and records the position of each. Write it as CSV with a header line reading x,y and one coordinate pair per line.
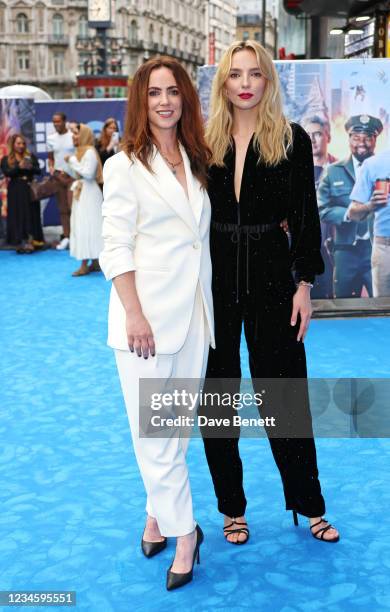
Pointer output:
x,y
169,188
194,187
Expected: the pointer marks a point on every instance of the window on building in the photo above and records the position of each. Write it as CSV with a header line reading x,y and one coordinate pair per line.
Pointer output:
x,y
22,23
178,41
23,60
58,25
161,39
170,38
257,36
245,35
83,26
151,33
58,63
133,31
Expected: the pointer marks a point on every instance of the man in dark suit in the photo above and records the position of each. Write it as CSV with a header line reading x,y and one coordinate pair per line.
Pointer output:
x,y
352,243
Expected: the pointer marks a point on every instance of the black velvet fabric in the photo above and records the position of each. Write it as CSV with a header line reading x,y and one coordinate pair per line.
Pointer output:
x,y
253,285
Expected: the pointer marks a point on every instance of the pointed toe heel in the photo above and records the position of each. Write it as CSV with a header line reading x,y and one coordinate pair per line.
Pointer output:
x,y
175,581
150,549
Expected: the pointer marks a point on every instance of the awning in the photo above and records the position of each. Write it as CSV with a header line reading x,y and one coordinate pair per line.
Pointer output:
x,y
330,8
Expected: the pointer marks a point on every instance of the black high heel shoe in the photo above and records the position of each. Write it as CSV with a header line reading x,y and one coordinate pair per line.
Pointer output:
x,y
174,581
321,531
152,548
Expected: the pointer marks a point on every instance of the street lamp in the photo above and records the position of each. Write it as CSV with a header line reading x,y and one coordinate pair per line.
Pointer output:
x,y
264,15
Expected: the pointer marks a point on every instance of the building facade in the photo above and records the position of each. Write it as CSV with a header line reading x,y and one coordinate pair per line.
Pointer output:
x,y
220,27
250,22
250,26
144,28
47,43
38,43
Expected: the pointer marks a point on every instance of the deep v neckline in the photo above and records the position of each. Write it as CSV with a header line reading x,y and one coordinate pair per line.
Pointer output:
x,y
237,202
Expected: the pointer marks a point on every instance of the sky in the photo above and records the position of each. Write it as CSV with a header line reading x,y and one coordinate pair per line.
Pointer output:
x,y
254,6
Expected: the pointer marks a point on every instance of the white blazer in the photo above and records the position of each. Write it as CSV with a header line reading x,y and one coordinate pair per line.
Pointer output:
x,y
151,227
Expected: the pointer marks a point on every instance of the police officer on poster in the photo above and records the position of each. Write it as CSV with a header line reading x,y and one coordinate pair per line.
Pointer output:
x,y
352,244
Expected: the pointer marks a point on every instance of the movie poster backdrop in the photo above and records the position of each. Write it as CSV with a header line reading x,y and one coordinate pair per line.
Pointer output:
x,y
323,96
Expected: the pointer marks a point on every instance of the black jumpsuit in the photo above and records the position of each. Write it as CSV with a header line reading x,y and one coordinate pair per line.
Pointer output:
x,y
253,283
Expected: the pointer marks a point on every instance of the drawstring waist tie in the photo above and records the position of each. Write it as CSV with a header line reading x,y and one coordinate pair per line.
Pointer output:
x,y
252,232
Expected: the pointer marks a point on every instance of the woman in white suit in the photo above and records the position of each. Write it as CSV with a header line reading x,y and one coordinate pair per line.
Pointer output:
x,y
156,216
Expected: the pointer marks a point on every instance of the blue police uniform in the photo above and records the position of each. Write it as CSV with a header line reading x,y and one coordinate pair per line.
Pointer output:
x,y
352,244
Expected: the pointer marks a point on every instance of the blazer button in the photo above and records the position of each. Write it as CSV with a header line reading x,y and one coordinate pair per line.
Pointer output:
x,y
196,245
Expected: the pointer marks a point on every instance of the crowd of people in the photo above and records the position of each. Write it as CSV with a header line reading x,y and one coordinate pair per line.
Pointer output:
x,y
75,162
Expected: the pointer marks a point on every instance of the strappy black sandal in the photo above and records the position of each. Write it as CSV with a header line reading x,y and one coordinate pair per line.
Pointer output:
x,y
321,531
227,531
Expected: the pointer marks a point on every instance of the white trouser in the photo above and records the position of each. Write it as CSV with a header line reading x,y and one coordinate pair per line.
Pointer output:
x,y
380,265
162,461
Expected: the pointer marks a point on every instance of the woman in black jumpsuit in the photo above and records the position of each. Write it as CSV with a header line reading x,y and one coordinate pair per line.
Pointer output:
x,y
253,284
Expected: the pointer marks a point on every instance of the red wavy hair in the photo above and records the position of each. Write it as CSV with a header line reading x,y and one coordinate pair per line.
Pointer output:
x,y
138,138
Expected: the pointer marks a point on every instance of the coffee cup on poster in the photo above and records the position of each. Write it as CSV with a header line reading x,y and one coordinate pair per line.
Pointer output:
x,y
383,184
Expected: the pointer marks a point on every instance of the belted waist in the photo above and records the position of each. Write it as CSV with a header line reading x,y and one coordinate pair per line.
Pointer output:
x,y
244,229
252,232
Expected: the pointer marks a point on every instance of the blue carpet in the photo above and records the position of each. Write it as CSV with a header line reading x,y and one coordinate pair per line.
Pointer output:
x,y
71,497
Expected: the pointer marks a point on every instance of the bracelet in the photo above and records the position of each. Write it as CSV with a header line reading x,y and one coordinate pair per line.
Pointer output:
x,y
303,283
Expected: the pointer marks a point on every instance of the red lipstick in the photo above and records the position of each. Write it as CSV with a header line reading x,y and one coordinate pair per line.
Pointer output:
x,y
245,96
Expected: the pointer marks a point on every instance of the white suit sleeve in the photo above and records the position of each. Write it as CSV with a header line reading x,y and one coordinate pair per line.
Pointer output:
x,y
87,166
119,219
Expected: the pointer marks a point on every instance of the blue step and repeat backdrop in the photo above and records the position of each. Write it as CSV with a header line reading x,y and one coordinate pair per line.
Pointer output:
x,y
91,112
34,120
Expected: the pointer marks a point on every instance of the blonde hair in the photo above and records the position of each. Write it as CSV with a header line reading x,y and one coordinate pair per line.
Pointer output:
x,y
273,133
87,141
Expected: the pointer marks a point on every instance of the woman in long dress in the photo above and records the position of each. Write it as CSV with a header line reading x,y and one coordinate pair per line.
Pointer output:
x,y
23,217
86,241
